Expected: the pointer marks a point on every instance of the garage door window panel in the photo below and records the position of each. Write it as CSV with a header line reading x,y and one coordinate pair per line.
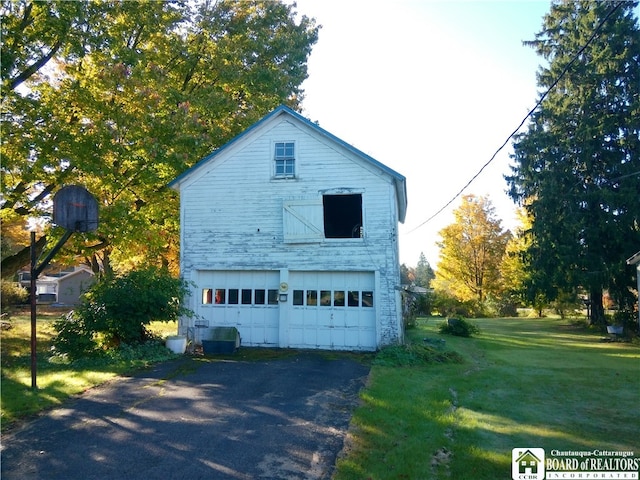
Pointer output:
x,y
273,297
353,298
367,299
233,296
207,296
220,296
246,296
312,298
325,298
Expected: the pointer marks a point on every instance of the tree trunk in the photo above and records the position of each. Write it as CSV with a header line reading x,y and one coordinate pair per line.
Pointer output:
x,y
597,309
106,263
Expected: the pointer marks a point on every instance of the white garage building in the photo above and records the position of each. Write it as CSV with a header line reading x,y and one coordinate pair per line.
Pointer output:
x,y
290,235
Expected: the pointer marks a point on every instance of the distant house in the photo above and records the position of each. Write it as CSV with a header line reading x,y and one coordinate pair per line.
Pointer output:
x,y
63,287
73,285
290,235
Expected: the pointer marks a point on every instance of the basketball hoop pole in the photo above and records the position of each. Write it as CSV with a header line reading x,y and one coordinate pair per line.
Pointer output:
x,y
75,210
35,271
32,285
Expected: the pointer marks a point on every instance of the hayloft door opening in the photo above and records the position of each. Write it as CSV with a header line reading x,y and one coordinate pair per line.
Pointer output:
x,y
342,216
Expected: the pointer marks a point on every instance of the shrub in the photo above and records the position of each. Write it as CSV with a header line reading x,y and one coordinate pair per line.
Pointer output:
x,y
508,308
567,304
12,293
447,305
414,304
73,339
117,310
424,303
628,319
458,327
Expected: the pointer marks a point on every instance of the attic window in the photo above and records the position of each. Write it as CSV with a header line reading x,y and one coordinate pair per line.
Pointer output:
x,y
285,160
342,216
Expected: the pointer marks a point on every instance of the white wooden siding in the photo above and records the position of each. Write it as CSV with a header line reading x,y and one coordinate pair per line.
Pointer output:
x,y
234,215
302,220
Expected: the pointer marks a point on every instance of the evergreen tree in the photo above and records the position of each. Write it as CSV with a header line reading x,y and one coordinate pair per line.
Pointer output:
x,y
577,166
424,273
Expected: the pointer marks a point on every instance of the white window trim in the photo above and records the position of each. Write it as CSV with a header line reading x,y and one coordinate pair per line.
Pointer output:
x,y
276,176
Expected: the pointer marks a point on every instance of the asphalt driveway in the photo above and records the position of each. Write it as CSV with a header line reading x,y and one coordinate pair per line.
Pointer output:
x,y
197,419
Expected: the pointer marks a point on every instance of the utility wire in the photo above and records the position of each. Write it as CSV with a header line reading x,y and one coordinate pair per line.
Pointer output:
x,y
544,95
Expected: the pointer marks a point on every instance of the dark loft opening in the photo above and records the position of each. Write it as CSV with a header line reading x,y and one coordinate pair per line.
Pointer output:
x,y
342,216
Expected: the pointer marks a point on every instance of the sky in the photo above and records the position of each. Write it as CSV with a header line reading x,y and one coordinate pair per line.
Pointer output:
x,y
430,88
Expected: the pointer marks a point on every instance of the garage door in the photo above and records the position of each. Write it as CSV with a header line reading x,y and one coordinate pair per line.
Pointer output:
x,y
332,310
247,300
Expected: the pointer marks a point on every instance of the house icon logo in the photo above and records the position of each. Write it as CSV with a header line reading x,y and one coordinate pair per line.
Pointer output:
x,y
527,464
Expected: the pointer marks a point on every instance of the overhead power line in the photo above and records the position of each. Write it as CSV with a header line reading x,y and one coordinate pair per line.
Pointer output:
x,y
538,103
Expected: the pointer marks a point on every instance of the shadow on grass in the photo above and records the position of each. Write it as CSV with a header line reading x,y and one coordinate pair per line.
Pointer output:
x,y
532,383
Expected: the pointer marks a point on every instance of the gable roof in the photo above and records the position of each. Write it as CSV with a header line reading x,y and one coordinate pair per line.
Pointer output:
x,y
399,180
76,272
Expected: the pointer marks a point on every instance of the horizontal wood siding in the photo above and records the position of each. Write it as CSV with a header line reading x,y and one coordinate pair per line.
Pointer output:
x,y
232,214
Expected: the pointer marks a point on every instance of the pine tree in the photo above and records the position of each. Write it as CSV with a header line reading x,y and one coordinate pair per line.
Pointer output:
x,y
424,273
577,166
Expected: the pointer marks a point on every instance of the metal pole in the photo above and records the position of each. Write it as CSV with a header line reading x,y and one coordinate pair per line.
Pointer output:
x,y
34,274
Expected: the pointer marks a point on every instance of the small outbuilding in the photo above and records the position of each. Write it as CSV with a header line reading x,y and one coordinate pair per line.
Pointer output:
x,y
72,285
64,287
290,234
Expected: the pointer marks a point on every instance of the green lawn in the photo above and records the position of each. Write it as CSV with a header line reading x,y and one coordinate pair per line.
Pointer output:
x,y
524,383
56,381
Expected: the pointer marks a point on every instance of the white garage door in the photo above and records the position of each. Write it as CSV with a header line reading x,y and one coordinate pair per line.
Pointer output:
x,y
332,310
247,300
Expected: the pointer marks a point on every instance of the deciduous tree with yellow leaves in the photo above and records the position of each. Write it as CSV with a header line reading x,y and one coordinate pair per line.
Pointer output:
x,y
471,252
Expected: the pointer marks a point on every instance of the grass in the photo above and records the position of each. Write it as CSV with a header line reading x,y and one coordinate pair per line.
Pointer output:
x,y
56,381
430,410
523,383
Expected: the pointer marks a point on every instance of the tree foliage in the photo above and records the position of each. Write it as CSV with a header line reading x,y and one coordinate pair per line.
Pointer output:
x,y
121,97
116,310
420,275
424,273
576,167
515,269
407,275
471,251
12,293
